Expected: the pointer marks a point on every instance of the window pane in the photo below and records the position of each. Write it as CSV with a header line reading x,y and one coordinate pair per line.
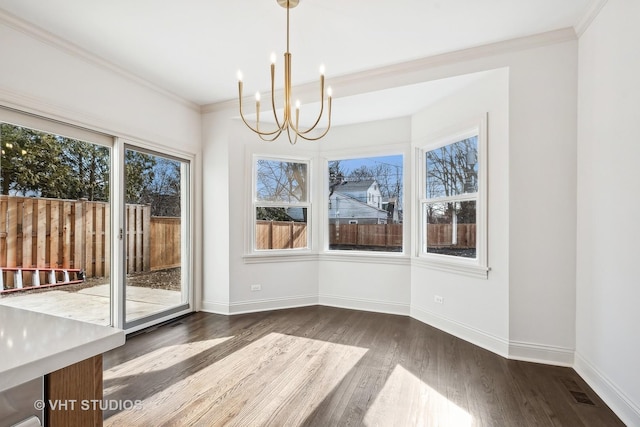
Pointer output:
x,y
55,227
451,228
452,169
281,228
279,181
365,204
156,224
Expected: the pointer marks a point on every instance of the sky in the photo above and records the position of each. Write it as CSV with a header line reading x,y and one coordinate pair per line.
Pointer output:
x,y
347,165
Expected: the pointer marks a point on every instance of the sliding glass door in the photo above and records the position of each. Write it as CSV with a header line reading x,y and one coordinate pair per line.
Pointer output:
x,y
156,236
91,227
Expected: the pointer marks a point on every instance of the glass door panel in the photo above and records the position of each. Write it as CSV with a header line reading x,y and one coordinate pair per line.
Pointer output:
x,y
156,240
55,220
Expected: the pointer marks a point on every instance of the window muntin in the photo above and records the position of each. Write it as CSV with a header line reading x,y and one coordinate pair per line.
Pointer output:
x,y
365,204
281,204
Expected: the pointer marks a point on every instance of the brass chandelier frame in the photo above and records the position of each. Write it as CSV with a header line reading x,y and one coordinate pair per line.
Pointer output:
x,y
288,122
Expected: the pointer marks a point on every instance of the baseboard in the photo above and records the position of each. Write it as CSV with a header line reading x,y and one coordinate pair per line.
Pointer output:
x,y
619,403
364,304
549,355
214,307
253,306
475,336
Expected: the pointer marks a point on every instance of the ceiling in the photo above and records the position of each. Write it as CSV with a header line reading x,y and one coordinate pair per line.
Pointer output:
x,y
194,48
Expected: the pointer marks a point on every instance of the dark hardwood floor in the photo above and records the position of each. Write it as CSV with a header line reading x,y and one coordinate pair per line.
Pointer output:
x,y
322,366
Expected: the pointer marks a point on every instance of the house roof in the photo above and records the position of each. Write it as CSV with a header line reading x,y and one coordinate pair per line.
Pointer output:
x,y
351,186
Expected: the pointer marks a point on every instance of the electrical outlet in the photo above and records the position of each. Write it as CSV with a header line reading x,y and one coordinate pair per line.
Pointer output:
x,y
256,288
438,299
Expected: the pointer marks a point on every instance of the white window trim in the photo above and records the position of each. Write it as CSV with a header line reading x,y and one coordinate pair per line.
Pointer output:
x,y
253,255
477,267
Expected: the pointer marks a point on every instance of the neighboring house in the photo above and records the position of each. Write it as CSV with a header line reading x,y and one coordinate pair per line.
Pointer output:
x,y
357,202
366,191
393,214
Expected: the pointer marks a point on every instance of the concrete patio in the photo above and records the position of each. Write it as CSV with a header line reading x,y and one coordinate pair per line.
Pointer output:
x,y
92,304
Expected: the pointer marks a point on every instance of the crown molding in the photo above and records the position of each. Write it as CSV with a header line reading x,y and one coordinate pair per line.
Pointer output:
x,y
361,82
78,52
592,11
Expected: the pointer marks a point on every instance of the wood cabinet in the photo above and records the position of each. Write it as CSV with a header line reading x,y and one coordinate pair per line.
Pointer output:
x,y
76,393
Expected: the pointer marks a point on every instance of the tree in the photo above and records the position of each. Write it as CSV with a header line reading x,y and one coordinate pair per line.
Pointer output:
x,y
139,174
387,176
163,194
86,171
41,164
283,183
279,181
336,175
452,171
31,162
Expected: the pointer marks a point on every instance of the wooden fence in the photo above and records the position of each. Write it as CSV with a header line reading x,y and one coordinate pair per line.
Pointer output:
x,y
440,235
280,235
292,235
165,242
53,233
375,236
287,235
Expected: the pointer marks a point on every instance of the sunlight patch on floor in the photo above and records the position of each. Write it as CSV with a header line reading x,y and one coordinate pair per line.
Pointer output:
x,y
157,360
279,380
407,394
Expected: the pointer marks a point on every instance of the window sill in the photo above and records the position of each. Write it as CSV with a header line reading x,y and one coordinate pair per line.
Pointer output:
x,y
466,269
279,257
363,257
366,257
463,268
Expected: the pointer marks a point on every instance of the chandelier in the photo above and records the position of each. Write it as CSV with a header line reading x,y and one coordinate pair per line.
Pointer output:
x,y
290,120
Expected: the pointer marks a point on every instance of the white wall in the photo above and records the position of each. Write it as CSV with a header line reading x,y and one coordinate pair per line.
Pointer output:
x,y
475,309
215,204
542,206
608,291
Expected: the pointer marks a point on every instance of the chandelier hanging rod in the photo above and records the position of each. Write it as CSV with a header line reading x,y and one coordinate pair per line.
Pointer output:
x,y
288,122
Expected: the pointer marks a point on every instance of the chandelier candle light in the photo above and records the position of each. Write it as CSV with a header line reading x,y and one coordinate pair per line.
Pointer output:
x,y
288,122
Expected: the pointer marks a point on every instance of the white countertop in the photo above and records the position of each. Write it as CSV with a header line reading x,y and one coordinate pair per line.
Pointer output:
x,y
34,344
